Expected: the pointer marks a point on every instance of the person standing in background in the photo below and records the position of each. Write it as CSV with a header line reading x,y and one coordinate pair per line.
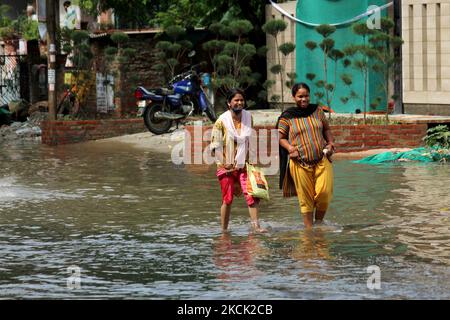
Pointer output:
x,y
72,16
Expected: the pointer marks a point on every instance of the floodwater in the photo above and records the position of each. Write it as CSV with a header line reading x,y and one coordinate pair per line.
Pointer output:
x,y
109,221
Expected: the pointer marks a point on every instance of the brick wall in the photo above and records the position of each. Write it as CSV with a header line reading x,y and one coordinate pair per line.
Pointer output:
x,y
363,137
139,70
348,138
65,132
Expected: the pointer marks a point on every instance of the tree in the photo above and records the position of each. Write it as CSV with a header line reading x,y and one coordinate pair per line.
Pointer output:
x,y
184,13
326,87
116,61
130,14
6,29
347,79
385,61
171,52
215,46
75,44
286,49
362,54
230,57
77,48
188,14
27,28
274,28
251,10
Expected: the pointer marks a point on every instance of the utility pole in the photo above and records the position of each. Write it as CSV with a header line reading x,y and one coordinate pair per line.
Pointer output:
x,y
398,84
51,13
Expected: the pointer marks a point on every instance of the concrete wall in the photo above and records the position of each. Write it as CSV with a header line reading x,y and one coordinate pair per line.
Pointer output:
x,y
428,109
426,56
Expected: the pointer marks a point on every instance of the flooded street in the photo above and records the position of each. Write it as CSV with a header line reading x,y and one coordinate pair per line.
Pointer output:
x,y
134,225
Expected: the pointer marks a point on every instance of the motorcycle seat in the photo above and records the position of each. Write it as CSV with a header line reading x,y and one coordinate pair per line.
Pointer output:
x,y
156,97
145,91
164,91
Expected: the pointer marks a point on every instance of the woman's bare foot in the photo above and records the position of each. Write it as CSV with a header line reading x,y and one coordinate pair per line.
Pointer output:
x,y
260,230
257,228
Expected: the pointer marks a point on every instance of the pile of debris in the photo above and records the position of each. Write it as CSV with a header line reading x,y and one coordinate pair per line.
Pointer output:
x,y
21,121
28,130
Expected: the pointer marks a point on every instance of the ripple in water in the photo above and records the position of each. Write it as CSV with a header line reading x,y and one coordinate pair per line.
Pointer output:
x,y
138,231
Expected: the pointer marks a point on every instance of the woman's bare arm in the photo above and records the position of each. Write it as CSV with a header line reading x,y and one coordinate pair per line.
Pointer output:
x,y
328,136
284,142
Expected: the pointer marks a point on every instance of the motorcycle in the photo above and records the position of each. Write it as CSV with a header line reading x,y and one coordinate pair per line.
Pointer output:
x,y
184,96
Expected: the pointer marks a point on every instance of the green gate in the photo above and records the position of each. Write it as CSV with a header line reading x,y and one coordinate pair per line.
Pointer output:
x,y
334,12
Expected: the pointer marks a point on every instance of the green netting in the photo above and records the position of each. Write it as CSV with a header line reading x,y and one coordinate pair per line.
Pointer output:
x,y
433,154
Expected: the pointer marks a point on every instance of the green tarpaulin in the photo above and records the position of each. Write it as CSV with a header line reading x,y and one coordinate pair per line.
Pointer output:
x,y
433,154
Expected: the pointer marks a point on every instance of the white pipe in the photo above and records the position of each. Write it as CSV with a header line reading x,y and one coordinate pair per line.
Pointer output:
x,y
367,13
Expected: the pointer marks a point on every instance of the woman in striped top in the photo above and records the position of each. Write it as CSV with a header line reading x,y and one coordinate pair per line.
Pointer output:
x,y
306,146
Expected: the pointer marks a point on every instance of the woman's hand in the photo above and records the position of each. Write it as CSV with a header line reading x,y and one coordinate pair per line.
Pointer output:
x,y
228,166
294,155
293,152
292,149
329,150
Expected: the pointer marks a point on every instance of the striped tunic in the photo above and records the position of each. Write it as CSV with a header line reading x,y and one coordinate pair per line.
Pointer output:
x,y
307,135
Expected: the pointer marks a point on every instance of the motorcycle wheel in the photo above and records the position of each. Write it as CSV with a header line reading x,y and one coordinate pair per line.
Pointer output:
x,y
210,112
156,126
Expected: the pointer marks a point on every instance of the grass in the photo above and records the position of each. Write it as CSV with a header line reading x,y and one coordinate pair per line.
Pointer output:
x,y
358,120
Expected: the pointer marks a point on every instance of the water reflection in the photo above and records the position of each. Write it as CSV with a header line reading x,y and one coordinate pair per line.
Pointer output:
x,y
424,225
139,226
312,246
235,257
309,252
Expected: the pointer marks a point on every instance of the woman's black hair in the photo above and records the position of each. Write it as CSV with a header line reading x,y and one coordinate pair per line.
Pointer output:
x,y
233,92
297,86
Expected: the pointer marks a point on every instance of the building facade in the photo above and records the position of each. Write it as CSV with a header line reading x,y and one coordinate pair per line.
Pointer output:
x,y
426,56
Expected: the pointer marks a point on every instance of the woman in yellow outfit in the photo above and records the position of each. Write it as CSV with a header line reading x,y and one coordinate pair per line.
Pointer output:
x,y
306,146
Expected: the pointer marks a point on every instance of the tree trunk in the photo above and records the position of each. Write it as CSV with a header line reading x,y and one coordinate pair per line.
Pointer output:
x,y
365,94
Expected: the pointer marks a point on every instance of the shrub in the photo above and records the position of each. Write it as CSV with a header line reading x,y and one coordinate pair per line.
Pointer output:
x,y
438,136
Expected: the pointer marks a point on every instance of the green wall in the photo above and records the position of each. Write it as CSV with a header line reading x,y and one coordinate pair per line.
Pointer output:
x,y
328,12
